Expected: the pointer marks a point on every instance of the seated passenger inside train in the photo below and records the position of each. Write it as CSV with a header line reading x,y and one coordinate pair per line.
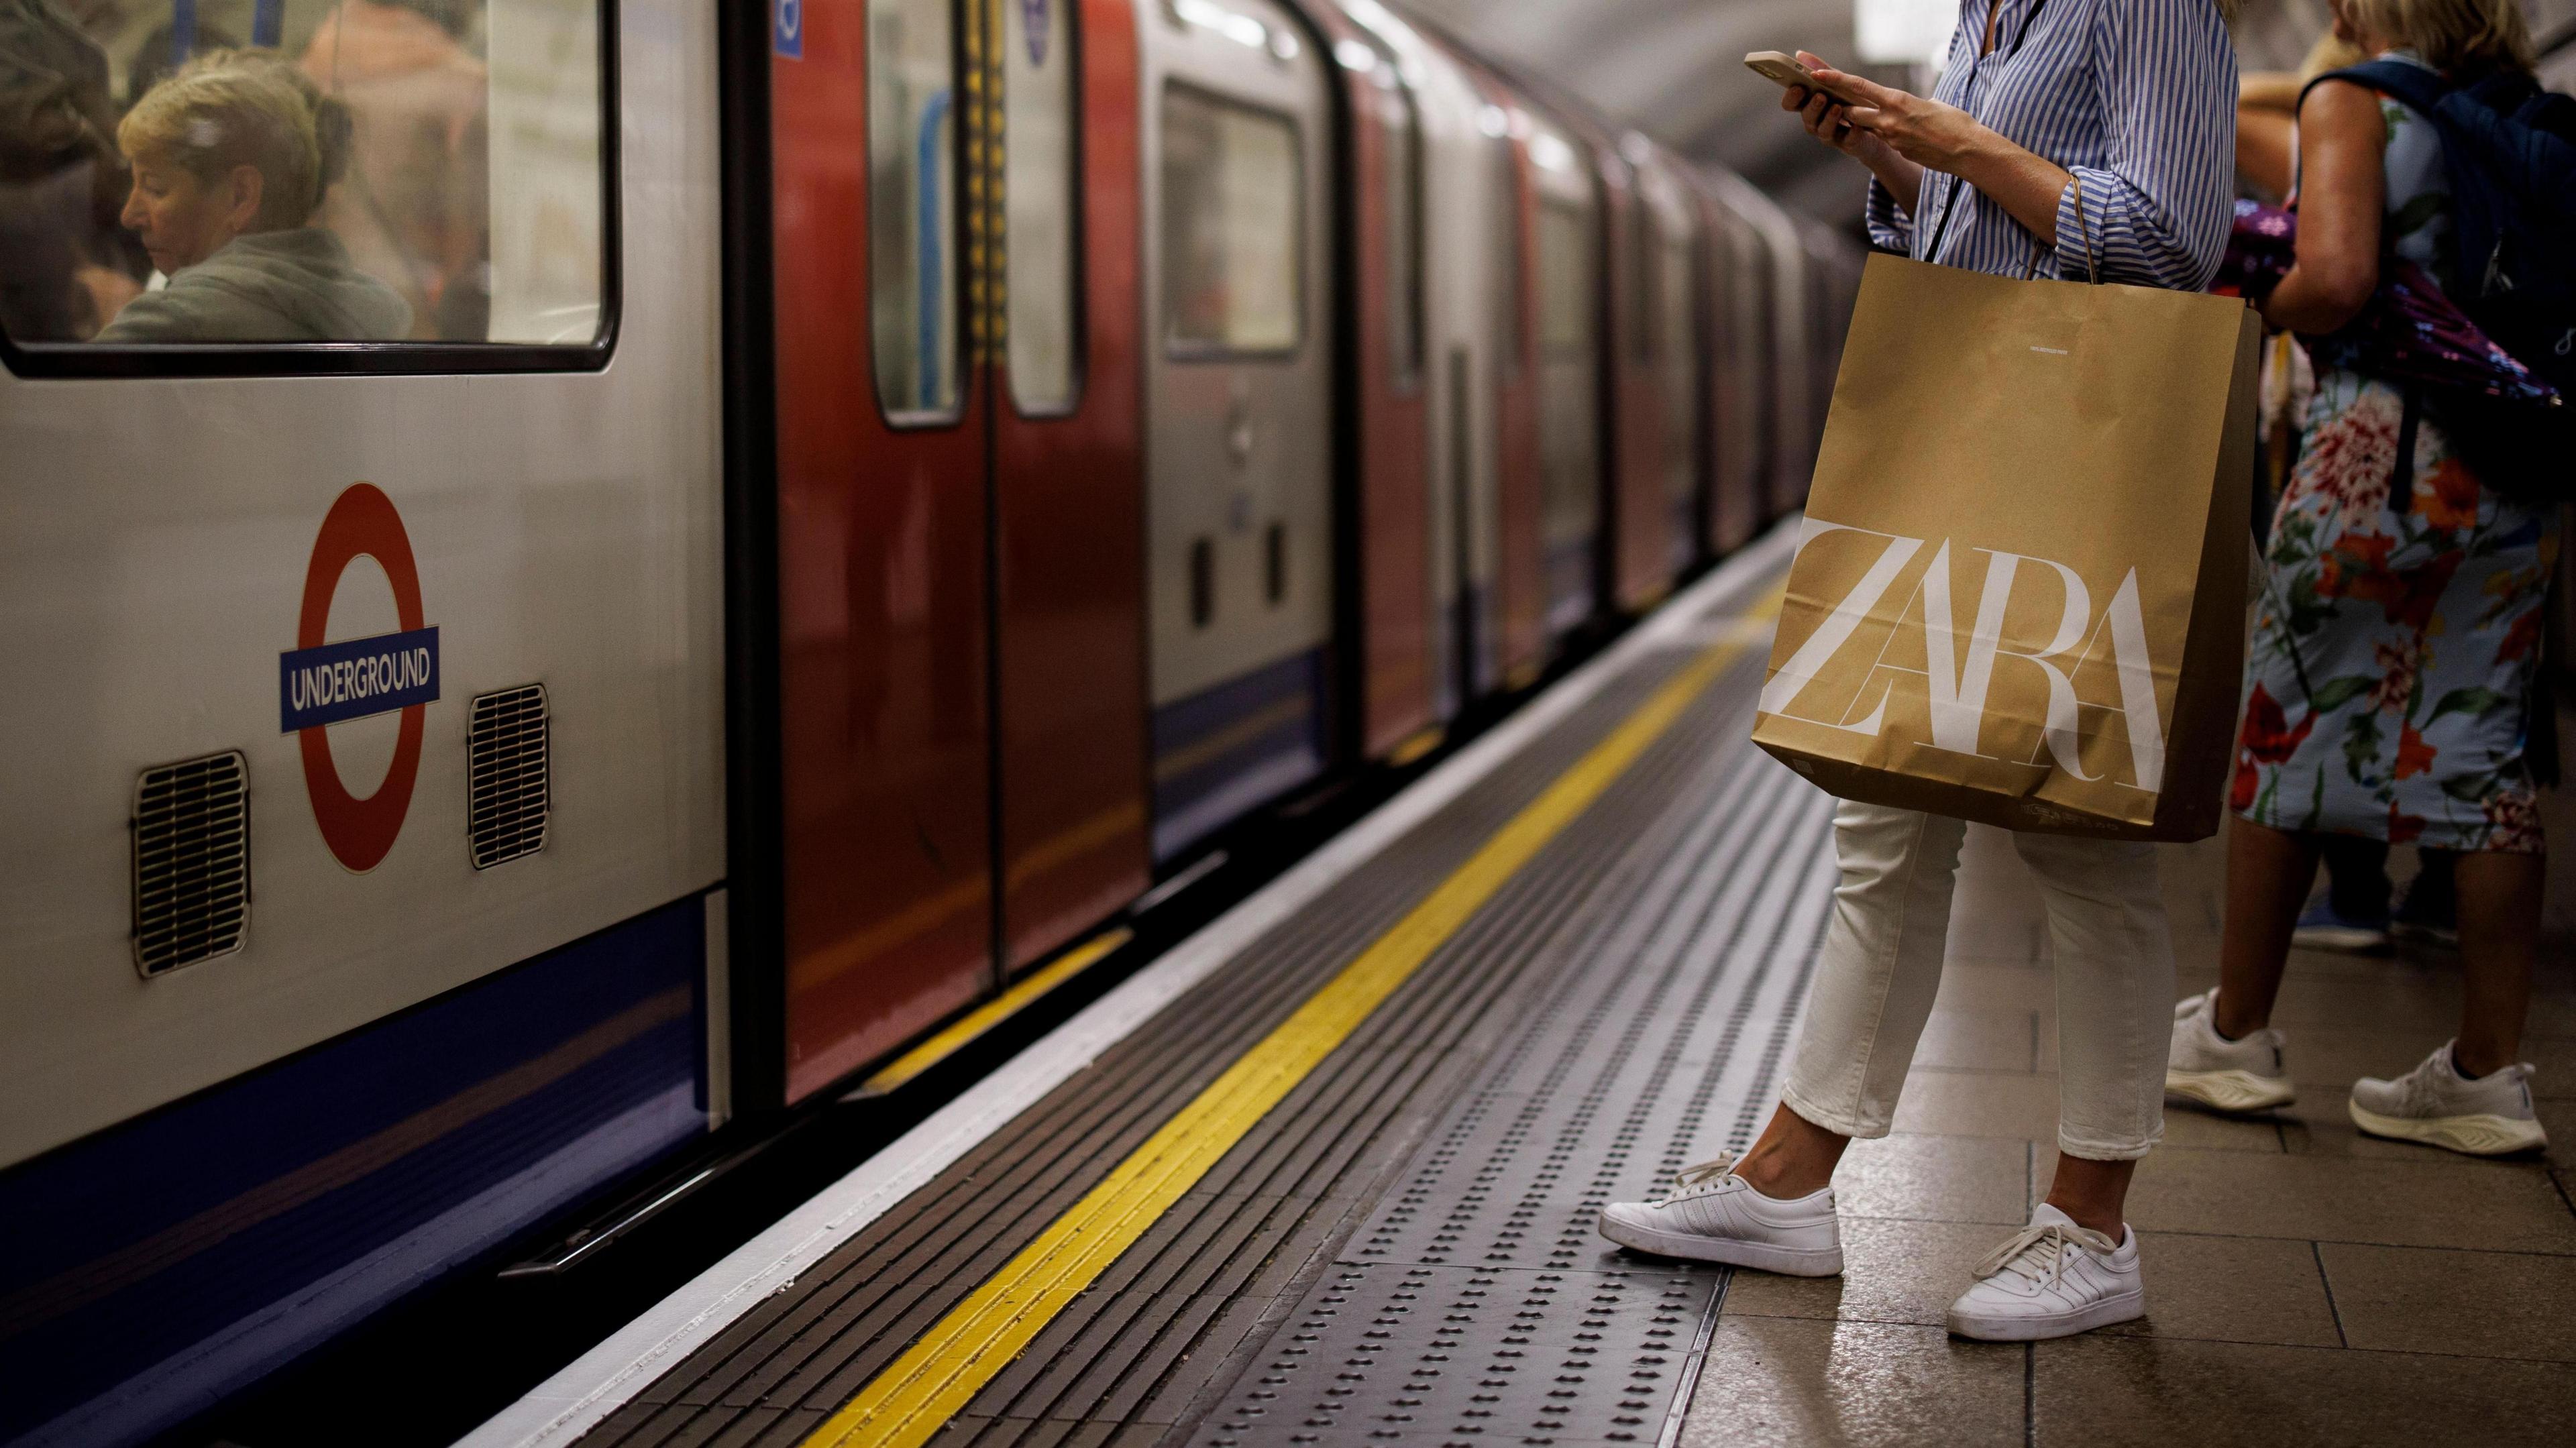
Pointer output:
x,y
65,264
231,157
415,211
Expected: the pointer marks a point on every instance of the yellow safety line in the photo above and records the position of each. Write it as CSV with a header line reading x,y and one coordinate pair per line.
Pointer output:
x,y
1416,745
934,1380
999,1009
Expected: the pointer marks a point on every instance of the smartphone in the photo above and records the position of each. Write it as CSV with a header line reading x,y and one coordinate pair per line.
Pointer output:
x,y
1779,66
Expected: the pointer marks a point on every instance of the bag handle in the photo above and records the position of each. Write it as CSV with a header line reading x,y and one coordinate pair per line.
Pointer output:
x,y
2084,229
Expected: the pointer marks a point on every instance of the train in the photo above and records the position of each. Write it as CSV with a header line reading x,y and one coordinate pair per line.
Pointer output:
x,y
871,491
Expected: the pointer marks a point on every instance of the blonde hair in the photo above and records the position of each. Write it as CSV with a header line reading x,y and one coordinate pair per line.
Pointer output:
x,y
2457,37
2331,52
230,108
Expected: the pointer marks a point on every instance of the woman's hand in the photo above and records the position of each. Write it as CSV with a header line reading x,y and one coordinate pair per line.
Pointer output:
x,y
1925,132
1926,135
1829,121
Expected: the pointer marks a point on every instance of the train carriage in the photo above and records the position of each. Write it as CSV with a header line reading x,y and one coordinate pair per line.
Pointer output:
x,y
1443,212
364,824
865,491
1732,411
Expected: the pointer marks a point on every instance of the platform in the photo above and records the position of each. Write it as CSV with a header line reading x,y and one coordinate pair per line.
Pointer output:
x,y
1327,1173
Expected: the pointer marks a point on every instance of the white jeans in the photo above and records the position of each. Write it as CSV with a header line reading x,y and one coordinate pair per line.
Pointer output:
x,y
1881,966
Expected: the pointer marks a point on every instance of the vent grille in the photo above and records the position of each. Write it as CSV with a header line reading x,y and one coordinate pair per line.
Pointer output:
x,y
506,775
191,862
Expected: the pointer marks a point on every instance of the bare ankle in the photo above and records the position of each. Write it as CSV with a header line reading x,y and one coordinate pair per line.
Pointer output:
x,y
2475,1059
2233,1021
1783,1180
2092,1216
1794,1157
1785,1171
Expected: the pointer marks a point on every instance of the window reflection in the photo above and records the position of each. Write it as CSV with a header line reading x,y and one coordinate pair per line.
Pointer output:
x,y
192,171
1564,280
1232,198
1038,170
912,206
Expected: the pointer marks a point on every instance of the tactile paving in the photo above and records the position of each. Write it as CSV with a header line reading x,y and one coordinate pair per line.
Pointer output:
x,y
1388,1353
1658,1045
1613,1012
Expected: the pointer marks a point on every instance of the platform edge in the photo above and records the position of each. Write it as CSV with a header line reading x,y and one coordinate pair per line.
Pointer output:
x,y
601,1381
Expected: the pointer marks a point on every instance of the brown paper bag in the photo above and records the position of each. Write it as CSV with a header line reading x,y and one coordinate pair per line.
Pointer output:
x,y
2019,596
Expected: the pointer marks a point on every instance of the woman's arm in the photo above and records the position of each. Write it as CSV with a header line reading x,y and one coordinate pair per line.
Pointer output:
x,y
2343,189
1926,135
2160,204
2263,140
2157,210
2269,90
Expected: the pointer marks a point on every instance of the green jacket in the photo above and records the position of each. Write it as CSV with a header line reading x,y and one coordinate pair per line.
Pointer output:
x,y
272,286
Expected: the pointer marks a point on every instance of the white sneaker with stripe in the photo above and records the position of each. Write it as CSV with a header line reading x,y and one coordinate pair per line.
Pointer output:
x,y
1713,1215
2053,1279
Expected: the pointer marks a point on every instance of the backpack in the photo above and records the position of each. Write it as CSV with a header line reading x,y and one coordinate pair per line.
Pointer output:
x,y
2509,150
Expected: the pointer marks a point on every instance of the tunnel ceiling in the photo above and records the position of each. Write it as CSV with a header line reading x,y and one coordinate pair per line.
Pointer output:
x,y
1674,68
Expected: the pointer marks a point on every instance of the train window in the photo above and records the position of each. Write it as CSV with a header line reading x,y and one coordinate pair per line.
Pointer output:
x,y
1564,280
912,207
1038,175
1233,212
1402,169
421,172
1504,261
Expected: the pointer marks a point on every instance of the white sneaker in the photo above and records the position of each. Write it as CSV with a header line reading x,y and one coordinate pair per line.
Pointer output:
x,y
2207,1067
2054,1279
2435,1104
1713,1215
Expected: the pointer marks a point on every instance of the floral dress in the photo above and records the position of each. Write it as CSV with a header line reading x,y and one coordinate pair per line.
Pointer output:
x,y
2397,633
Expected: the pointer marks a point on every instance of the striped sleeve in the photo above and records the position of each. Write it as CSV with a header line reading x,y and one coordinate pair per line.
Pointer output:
x,y
2156,211
1890,229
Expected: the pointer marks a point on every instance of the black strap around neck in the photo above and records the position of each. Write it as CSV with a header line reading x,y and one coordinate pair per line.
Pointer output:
x,y
1950,200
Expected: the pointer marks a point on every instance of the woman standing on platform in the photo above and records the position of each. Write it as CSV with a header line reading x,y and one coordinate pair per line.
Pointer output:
x,y
2062,130
2398,633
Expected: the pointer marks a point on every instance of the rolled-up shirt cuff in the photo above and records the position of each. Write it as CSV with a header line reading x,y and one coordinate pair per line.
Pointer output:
x,y
2082,209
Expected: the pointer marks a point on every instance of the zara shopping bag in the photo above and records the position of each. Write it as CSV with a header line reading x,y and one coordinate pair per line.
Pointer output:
x,y
2019,596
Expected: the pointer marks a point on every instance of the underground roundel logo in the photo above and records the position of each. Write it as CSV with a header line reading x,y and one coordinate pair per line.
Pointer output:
x,y
320,684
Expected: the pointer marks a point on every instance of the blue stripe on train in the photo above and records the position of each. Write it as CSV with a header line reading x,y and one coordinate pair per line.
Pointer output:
x,y
1235,747
149,1270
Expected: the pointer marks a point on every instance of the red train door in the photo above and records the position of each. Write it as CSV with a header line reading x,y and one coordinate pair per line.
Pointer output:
x,y
1634,551
886,733
1068,469
1399,666
1670,265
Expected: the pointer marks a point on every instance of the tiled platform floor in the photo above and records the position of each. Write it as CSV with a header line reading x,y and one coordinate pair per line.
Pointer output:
x,y
2306,1285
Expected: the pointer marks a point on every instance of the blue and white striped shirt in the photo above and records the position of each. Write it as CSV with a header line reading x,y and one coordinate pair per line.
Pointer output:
x,y
2137,98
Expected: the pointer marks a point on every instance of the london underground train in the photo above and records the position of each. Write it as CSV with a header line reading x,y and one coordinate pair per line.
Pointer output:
x,y
748,531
